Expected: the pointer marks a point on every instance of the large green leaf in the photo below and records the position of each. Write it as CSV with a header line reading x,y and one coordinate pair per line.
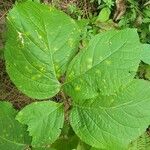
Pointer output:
x,y
146,53
13,135
41,42
112,122
110,61
44,119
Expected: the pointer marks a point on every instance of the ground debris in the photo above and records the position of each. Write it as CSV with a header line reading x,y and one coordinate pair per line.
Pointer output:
x,y
120,9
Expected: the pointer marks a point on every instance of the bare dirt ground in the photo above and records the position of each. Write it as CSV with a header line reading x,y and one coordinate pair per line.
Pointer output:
x,y
7,90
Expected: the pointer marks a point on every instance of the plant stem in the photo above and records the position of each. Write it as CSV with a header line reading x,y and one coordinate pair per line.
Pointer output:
x,y
67,105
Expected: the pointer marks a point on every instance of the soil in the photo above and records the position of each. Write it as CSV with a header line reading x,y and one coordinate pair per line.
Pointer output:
x,y
8,91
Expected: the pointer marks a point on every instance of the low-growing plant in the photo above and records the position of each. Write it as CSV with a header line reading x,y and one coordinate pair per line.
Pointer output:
x,y
96,88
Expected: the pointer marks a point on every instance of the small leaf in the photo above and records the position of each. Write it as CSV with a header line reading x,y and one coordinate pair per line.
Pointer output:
x,y
104,15
41,42
13,135
146,53
45,121
112,122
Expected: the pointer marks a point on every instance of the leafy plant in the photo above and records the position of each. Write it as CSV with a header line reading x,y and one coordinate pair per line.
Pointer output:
x,y
13,135
105,104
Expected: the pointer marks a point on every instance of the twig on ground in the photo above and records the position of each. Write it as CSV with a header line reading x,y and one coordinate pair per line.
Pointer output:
x,y
3,15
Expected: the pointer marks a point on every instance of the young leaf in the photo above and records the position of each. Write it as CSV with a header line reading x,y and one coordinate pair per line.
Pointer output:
x,y
104,15
146,53
13,135
41,42
110,61
44,119
112,122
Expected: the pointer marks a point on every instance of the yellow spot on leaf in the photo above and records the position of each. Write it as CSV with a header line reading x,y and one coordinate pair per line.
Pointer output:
x,y
33,78
36,103
108,62
55,48
71,74
56,66
104,80
89,66
89,60
36,77
77,88
110,43
79,30
50,9
98,72
21,38
42,69
39,75
40,37
70,42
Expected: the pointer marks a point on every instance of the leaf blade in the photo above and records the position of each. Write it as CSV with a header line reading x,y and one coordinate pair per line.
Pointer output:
x,y
35,46
13,135
115,124
44,120
110,61
146,53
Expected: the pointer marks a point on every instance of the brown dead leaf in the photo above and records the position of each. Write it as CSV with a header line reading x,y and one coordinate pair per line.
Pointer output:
x,y
120,9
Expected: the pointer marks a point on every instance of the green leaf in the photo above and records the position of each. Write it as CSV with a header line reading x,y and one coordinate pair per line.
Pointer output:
x,y
67,143
45,120
110,61
109,3
68,139
112,122
41,42
38,1
147,72
146,53
41,148
96,149
83,146
13,135
104,15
